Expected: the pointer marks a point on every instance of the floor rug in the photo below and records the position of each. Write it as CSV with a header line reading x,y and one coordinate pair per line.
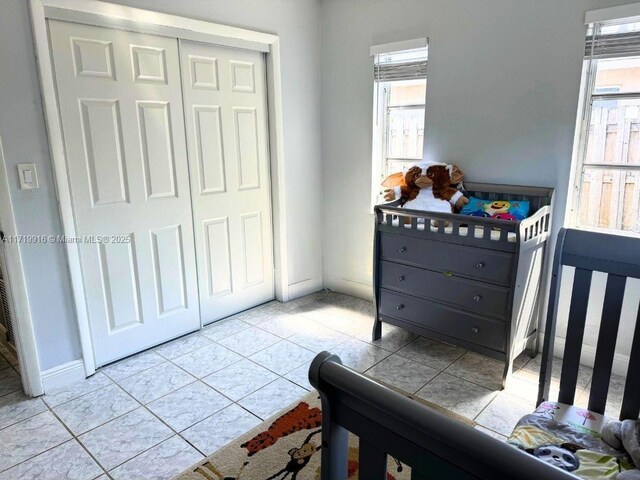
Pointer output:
x,y
286,446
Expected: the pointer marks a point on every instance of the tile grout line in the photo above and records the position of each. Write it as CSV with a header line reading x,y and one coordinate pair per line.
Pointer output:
x,y
120,416
349,337
73,437
179,433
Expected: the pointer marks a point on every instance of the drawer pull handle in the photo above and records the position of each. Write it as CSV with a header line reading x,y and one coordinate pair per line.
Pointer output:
x,y
480,265
475,329
402,249
401,278
399,307
477,298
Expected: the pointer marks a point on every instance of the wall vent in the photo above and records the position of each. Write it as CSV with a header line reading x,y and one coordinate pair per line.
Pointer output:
x,y
5,301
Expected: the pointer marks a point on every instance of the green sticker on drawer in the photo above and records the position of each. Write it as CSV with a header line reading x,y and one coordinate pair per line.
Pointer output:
x,y
448,274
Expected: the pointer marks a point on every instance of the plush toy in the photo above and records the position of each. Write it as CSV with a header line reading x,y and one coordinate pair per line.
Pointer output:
x,y
427,186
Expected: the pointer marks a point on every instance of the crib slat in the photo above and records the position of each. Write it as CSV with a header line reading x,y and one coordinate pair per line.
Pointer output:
x,y
607,336
372,462
631,400
575,332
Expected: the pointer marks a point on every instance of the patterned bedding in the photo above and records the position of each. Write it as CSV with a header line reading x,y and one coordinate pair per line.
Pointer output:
x,y
570,438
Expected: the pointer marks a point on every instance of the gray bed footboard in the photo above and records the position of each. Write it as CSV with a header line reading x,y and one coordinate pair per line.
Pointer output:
x,y
388,423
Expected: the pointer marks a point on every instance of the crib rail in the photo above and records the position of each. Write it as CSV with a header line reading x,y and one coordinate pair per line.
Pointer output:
x,y
479,231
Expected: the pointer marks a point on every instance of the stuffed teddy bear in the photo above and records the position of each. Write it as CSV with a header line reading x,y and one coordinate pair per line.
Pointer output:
x,y
427,186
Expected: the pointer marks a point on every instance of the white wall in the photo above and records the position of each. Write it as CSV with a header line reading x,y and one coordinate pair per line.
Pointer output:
x,y
502,95
24,140
23,132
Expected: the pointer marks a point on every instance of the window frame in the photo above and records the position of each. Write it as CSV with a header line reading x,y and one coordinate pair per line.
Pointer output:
x,y
380,141
579,164
380,122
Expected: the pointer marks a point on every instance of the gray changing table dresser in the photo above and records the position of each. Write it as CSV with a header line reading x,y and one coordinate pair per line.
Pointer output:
x,y
472,282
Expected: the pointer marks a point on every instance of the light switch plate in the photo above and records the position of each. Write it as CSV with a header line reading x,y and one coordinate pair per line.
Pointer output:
x,y
28,176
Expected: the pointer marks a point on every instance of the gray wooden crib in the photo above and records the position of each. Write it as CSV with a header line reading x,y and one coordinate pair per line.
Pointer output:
x,y
469,281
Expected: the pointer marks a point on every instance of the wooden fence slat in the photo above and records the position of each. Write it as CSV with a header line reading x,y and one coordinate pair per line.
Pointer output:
x,y
607,198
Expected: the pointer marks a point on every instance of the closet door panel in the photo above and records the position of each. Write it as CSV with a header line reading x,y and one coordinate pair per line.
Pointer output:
x,y
226,116
120,99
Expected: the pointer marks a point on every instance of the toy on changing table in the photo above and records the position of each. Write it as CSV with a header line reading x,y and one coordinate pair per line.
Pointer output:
x,y
427,186
500,209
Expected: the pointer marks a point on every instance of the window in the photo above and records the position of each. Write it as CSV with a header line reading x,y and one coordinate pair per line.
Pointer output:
x,y
607,174
400,86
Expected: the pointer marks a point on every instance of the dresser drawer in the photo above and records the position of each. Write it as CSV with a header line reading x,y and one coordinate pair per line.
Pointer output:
x,y
443,319
482,298
477,263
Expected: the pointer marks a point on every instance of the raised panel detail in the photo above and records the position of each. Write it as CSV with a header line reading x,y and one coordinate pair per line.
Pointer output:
x,y
120,286
218,251
156,144
242,77
204,72
251,231
209,150
168,263
148,64
102,134
92,58
246,126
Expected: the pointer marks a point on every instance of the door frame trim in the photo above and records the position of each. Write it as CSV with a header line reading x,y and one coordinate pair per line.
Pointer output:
x,y
25,338
103,14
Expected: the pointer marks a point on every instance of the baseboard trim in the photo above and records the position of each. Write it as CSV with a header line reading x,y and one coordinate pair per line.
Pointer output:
x,y
62,375
305,287
588,357
349,287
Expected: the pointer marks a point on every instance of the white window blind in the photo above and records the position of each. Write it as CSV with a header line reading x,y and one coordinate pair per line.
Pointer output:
x,y
389,72
602,43
398,66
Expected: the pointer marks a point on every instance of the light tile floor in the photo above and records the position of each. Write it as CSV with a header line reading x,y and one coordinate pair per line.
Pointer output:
x,y
156,413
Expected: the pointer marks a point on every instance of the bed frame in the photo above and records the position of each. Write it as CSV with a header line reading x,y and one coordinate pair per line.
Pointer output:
x,y
436,446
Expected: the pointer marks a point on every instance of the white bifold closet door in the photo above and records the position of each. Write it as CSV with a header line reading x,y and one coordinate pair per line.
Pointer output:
x,y
226,119
120,99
